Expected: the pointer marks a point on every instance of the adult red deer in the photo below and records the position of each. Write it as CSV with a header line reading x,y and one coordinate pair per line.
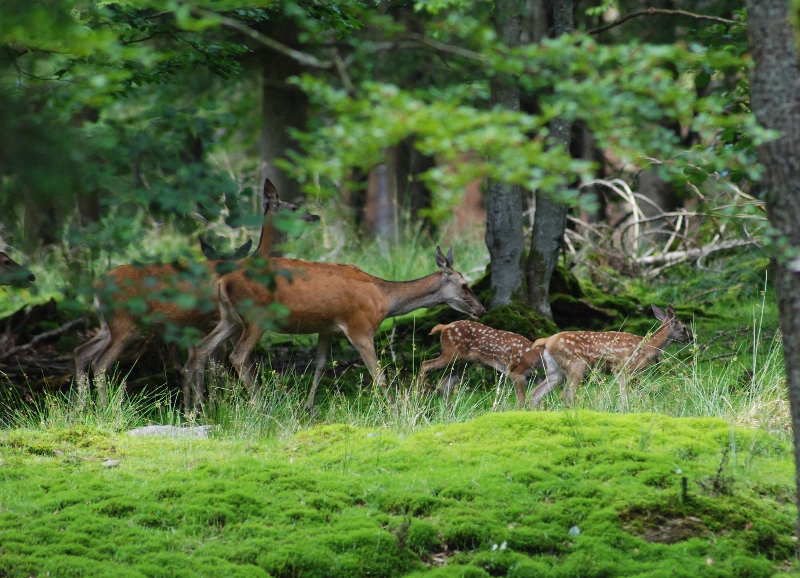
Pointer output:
x,y
571,354
170,297
327,299
12,273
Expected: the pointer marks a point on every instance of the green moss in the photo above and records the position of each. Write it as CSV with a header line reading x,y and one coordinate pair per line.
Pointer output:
x,y
423,537
502,491
520,320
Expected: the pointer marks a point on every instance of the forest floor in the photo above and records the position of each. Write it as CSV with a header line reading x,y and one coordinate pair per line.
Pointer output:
x,y
567,493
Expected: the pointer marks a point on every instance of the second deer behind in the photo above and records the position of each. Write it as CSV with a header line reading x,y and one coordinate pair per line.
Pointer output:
x,y
571,354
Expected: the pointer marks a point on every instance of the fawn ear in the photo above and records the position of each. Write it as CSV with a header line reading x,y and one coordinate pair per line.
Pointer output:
x,y
671,312
441,260
450,257
659,313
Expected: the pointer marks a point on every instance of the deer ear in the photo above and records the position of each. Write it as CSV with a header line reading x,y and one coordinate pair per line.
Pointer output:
x,y
659,313
208,251
450,257
441,260
671,312
271,198
242,251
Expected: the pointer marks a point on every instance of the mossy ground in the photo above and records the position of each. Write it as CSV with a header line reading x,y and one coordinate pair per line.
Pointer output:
x,y
650,496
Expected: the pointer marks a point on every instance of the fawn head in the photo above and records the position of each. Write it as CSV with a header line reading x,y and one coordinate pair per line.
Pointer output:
x,y
455,291
12,273
677,329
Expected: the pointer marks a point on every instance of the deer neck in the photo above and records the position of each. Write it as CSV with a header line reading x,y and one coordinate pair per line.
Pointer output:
x,y
407,296
655,345
264,248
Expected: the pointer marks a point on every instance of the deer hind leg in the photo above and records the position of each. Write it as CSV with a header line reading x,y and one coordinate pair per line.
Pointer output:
x,y
323,346
230,325
363,342
553,376
121,335
89,351
241,355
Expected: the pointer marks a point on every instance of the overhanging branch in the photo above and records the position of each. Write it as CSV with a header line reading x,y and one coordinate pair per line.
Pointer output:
x,y
651,11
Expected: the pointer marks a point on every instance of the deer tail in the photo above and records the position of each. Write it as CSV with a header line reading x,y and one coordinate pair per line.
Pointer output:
x,y
437,329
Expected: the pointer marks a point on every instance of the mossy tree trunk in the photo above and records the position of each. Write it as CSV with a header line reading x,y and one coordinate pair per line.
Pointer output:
x,y
775,100
504,236
550,221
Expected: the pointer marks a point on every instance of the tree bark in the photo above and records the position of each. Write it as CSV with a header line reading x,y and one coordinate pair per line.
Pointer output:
x,y
550,220
283,107
775,101
504,237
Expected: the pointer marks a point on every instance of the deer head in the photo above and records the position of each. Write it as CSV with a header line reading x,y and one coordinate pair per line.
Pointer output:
x,y
677,329
455,291
12,273
273,203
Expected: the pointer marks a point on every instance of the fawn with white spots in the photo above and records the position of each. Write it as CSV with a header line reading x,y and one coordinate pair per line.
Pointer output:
x,y
507,352
571,354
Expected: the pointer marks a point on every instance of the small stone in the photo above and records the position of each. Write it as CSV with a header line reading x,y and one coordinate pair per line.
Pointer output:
x,y
111,463
372,435
574,531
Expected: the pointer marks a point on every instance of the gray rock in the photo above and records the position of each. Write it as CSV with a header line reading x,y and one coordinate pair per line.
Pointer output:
x,y
111,463
201,431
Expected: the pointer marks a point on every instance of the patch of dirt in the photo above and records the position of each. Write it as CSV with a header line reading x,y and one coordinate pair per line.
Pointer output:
x,y
663,528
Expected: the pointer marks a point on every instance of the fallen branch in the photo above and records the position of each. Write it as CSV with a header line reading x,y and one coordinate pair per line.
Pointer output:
x,y
673,257
42,336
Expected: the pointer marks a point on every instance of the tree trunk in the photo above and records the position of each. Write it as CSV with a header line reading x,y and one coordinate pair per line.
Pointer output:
x,y
504,237
775,101
550,221
283,107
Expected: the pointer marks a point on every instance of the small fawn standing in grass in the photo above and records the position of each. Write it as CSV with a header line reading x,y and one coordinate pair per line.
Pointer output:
x,y
571,354
507,352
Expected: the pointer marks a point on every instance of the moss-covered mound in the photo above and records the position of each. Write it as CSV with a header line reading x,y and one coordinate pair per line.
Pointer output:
x,y
515,494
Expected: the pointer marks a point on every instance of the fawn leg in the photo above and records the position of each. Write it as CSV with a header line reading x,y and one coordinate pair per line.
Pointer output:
x,y
519,388
552,379
623,389
575,375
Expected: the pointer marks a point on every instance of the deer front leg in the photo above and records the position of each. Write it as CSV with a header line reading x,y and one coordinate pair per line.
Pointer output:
x,y
623,389
520,381
323,345
440,362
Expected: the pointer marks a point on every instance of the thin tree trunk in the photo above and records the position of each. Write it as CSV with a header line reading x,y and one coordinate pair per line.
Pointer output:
x,y
775,101
551,217
504,237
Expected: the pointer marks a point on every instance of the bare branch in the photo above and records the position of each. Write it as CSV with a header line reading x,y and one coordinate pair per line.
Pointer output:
x,y
672,257
651,11
302,57
41,337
